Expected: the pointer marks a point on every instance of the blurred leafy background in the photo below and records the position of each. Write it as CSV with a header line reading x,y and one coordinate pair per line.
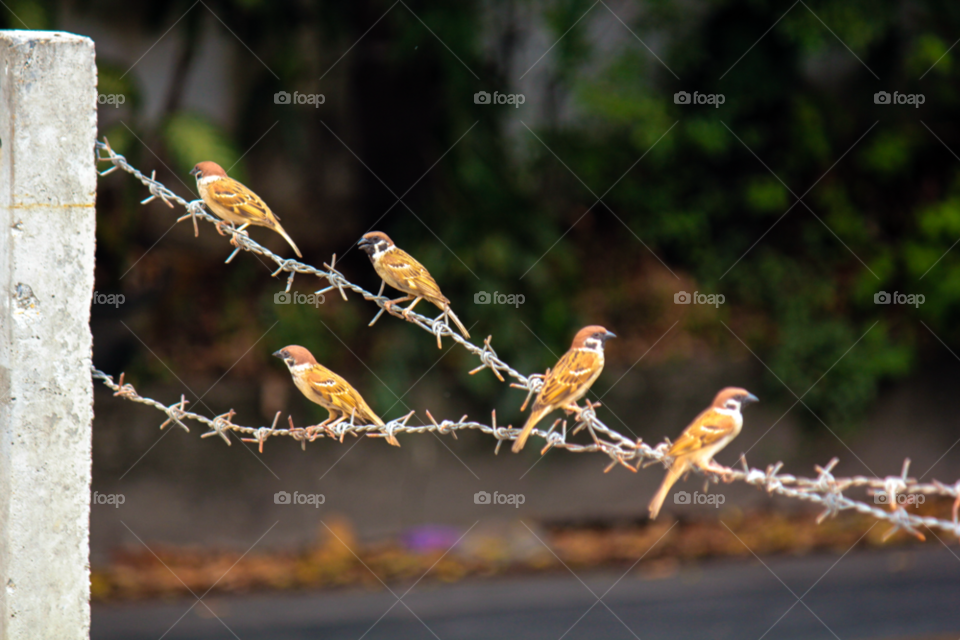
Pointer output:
x,y
506,199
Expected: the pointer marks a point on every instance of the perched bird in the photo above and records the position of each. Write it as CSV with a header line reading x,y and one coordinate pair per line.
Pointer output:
x,y
327,389
234,203
710,432
570,380
399,270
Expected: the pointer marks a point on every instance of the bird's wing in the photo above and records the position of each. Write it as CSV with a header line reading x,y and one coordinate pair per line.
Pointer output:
x,y
570,379
708,428
241,201
341,396
411,275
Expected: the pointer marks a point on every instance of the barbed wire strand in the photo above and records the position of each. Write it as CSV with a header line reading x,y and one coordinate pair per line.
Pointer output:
x,y
825,490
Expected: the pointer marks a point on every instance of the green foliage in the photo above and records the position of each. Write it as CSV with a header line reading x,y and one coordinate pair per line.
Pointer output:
x,y
706,199
190,137
715,194
29,14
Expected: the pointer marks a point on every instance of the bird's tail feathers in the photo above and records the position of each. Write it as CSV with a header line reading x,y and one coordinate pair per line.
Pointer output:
x,y
677,469
289,240
536,416
463,329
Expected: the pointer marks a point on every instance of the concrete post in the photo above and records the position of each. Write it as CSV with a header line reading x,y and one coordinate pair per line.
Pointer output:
x,y
48,124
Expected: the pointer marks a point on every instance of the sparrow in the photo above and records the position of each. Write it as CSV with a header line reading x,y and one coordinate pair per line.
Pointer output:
x,y
234,203
398,269
327,389
711,431
570,380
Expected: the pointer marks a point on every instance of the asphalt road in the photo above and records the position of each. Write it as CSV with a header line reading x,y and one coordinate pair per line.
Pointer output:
x,y
912,594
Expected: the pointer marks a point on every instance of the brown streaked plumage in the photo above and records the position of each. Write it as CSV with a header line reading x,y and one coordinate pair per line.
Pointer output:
x,y
711,431
401,271
570,380
234,203
327,389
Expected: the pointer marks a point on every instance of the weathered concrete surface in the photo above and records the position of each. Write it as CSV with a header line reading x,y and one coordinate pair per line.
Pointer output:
x,y
47,187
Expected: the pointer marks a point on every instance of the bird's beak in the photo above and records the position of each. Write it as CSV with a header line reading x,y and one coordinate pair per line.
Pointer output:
x,y
363,242
610,334
194,171
750,398
278,354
